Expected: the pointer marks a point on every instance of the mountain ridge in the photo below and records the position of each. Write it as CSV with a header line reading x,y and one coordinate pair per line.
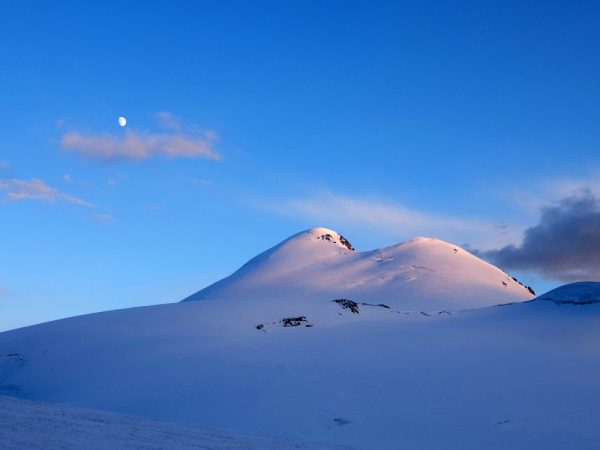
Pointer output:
x,y
421,273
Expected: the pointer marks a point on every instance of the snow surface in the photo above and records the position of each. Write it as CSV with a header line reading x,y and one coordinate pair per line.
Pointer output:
x,y
261,355
581,293
421,274
516,376
34,425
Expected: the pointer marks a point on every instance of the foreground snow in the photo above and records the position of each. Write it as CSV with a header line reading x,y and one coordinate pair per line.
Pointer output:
x,y
33,425
516,376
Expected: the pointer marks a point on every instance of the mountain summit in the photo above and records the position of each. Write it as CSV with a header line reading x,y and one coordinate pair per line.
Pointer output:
x,y
320,264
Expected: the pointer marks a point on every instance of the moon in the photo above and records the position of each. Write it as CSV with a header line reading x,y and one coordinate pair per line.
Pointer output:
x,y
122,121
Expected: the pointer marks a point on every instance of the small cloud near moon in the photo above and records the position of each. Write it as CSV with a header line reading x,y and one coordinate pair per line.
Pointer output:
x,y
122,121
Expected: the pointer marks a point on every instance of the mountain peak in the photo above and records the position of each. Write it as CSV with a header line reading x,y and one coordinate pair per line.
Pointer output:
x,y
326,234
422,240
319,264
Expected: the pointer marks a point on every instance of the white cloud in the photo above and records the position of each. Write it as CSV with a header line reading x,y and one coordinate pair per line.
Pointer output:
x,y
394,219
138,146
35,189
176,142
543,192
168,121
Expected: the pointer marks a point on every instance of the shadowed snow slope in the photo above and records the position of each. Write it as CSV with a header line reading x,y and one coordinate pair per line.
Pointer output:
x,y
319,264
518,376
581,293
33,425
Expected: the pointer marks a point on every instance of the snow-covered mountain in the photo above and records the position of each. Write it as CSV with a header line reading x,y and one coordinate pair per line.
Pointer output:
x,y
320,264
581,293
258,356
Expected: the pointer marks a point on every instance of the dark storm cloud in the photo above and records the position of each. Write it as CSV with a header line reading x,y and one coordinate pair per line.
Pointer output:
x,y
565,244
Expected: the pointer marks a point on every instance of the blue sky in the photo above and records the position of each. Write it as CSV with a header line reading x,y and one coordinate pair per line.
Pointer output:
x,y
250,121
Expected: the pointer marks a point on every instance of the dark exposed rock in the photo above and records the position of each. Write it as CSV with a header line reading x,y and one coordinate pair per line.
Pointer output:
x,y
286,322
354,306
347,304
380,305
529,288
326,237
345,242
294,321
329,237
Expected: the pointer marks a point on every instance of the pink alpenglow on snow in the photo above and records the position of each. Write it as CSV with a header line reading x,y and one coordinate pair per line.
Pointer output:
x,y
421,274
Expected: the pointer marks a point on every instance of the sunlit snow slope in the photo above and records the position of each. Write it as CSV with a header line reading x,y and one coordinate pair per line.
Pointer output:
x,y
319,264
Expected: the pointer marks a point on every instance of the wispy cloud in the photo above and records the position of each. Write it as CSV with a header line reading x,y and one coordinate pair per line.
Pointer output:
x,y
35,189
69,179
393,219
533,197
168,121
564,245
176,141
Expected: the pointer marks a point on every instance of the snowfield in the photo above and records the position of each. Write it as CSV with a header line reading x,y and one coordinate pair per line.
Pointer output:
x,y
286,347
33,426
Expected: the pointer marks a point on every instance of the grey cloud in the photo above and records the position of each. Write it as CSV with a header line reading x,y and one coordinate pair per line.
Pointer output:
x,y
565,245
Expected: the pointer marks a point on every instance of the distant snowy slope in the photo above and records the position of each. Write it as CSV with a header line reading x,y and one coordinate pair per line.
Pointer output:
x,y
581,293
320,264
41,426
